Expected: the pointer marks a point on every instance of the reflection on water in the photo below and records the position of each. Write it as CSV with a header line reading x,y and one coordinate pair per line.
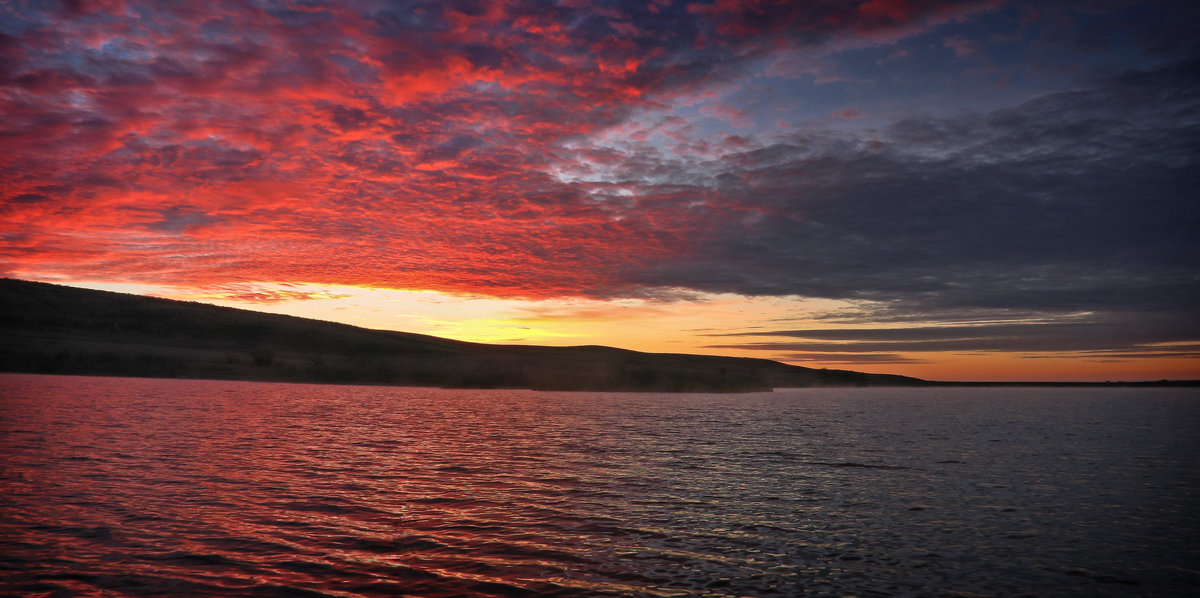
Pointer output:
x,y
160,487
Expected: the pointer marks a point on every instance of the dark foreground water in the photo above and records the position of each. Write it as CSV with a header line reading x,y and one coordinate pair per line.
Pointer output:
x,y
114,487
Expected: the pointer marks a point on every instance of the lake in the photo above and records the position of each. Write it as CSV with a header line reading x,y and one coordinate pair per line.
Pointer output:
x,y
116,486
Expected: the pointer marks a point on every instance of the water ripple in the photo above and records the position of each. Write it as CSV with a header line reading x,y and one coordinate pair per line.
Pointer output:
x,y
141,487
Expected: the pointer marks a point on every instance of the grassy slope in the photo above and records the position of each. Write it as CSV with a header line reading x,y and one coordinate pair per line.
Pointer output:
x,y
55,329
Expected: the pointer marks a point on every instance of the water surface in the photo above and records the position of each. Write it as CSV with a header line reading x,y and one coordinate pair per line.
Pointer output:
x,y
112,487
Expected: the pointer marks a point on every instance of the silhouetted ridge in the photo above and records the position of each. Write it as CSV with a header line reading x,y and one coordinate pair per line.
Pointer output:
x,y
65,330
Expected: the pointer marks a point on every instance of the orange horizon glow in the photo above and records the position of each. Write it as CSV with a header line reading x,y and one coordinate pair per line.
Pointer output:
x,y
653,326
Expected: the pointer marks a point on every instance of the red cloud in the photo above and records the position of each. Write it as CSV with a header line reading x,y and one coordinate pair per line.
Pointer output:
x,y
215,142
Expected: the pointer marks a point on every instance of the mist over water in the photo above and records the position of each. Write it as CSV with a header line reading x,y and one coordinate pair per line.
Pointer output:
x,y
113,487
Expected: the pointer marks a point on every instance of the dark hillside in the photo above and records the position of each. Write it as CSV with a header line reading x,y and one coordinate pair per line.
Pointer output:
x,y
56,329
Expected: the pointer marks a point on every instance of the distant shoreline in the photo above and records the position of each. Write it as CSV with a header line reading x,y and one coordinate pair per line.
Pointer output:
x,y
54,329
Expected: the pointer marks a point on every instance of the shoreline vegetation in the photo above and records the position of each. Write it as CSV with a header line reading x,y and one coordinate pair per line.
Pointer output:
x,y
54,329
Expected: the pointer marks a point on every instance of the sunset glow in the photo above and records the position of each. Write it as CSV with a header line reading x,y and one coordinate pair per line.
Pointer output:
x,y
991,190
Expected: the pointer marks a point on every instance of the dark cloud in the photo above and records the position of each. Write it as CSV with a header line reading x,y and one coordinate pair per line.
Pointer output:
x,y
453,147
177,218
1139,332
853,358
28,198
21,200
1074,201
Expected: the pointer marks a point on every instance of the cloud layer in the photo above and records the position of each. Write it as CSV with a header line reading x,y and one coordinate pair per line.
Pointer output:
x,y
649,149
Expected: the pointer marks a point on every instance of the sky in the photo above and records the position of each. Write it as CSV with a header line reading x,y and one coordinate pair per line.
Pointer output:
x,y
999,190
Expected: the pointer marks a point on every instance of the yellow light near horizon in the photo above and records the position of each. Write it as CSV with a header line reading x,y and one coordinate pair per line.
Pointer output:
x,y
639,324
691,325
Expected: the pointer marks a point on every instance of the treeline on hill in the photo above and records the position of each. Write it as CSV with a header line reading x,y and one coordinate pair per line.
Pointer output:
x,y
64,330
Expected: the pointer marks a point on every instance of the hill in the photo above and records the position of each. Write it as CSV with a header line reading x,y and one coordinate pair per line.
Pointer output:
x,y
50,328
